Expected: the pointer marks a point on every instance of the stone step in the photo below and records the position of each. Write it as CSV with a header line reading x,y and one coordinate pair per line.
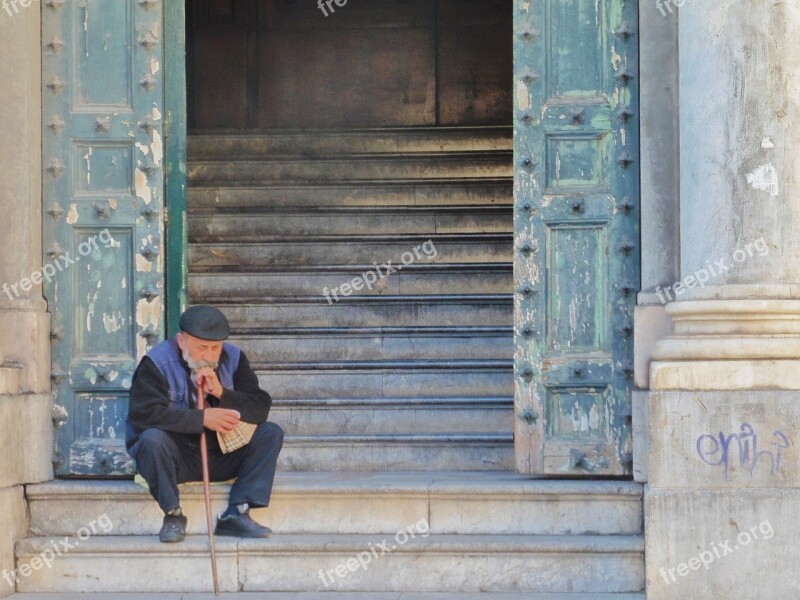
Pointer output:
x,y
422,311
298,143
340,251
247,225
399,452
210,285
368,195
366,167
473,563
354,416
326,596
356,250
468,503
381,379
461,451
385,343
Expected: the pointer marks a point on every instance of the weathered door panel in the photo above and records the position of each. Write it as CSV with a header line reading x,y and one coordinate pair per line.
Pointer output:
x,y
102,105
576,234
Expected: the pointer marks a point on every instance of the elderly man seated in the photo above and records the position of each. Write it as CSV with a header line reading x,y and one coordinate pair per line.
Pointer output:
x,y
164,424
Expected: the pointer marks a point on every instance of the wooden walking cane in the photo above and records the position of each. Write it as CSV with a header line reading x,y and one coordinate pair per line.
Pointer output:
x,y
201,404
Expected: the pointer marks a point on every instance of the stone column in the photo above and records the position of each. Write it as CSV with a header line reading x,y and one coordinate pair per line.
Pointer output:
x,y
26,444
24,323
724,407
736,310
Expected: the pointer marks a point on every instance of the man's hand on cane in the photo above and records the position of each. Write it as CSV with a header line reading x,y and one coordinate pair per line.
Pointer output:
x,y
208,380
223,420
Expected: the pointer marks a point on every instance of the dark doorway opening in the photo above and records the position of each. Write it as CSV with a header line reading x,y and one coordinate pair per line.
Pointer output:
x,y
322,147
277,64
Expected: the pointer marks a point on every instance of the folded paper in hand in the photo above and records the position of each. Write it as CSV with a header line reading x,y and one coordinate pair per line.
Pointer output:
x,y
239,437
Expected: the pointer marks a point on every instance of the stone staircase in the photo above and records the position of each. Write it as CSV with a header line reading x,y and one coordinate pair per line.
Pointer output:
x,y
412,374
397,401
474,532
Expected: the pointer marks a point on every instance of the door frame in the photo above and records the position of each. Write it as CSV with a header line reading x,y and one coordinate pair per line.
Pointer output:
x,y
175,172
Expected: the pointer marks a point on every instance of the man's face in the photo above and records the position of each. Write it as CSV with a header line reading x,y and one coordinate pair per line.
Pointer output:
x,y
199,353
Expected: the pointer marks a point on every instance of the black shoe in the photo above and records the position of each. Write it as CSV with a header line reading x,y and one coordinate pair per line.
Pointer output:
x,y
173,530
240,526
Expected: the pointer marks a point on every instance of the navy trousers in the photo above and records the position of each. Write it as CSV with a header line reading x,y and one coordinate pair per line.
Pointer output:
x,y
166,459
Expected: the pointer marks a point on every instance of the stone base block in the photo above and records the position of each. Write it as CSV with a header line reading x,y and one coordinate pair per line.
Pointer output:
x,y
727,440
734,543
26,341
650,324
703,375
10,379
641,439
26,446
723,495
15,524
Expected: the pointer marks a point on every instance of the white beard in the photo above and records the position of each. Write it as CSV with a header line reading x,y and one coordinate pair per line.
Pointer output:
x,y
196,365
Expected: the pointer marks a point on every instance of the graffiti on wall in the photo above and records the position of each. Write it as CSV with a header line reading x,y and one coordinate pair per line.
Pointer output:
x,y
723,450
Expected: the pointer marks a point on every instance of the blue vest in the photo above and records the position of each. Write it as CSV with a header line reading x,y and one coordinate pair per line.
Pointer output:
x,y
168,359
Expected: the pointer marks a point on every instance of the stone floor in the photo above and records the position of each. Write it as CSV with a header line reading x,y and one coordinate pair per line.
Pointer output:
x,y
331,596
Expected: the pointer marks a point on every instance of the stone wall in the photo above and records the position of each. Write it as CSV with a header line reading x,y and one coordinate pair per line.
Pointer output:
x,y
721,418
26,445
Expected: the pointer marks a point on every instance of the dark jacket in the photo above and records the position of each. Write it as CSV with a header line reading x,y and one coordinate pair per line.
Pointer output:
x,y
153,404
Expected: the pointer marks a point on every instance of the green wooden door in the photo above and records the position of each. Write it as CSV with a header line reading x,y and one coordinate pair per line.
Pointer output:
x,y
103,107
576,230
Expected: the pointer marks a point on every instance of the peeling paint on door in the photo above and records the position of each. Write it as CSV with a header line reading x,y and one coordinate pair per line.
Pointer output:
x,y
764,178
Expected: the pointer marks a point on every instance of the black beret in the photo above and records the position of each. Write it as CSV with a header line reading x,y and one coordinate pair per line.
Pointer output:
x,y
206,323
